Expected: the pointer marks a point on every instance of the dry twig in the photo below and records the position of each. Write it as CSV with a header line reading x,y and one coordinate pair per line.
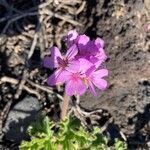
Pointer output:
x,y
15,81
31,91
44,11
34,42
21,85
44,88
66,18
15,18
3,116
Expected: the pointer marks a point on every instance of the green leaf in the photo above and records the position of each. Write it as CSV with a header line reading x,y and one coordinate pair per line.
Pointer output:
x,y
120,145
71,135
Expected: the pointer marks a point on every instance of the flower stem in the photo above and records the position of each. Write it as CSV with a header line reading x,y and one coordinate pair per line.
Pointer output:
x,y
64,108
77,99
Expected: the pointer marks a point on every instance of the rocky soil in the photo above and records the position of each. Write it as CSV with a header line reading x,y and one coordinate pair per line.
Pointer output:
x,y
29,28
123,26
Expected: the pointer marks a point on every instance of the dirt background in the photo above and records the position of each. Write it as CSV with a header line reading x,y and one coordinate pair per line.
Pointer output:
x,y
29,28
122,25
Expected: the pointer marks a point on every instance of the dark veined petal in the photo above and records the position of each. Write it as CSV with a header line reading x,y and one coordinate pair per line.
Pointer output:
x,y
71,52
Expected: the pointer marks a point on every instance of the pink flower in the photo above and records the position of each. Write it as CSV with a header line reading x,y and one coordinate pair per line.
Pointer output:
x,y
64,64
75,85
91,50
78,67
94,77
78,83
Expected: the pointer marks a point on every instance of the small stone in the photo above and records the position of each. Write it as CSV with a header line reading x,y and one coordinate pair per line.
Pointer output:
x,y
20,117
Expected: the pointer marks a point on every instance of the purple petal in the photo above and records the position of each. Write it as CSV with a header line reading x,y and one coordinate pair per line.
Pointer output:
x,y
100,83
63,76
92,48
75,87
47,62
69,89
59,76
52,80
90,71
101,57
92,89
83,39
100,73
101,54
55,54
93,59
84,65
71,52
71,37
80,88
98,63
73,66
99,42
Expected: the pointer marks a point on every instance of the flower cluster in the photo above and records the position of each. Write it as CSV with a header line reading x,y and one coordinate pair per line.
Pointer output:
x,y
81,67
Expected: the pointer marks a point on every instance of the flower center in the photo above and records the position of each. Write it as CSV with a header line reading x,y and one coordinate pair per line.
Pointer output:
x,y
75,76
63,62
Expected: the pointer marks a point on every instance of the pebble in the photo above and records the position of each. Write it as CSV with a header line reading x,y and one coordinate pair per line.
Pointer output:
x,y
20,117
